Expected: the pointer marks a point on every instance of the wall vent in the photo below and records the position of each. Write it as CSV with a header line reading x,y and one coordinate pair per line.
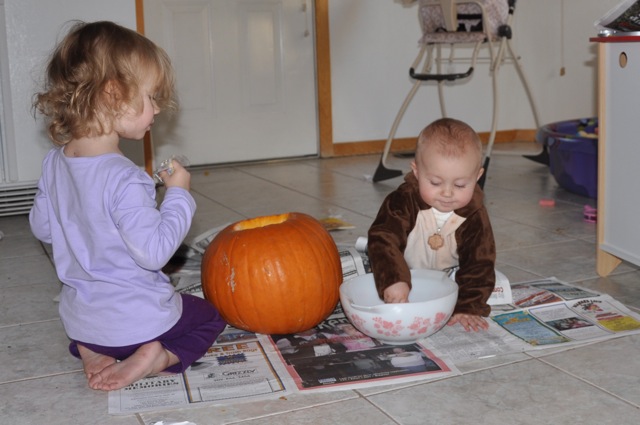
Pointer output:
x,y
16,199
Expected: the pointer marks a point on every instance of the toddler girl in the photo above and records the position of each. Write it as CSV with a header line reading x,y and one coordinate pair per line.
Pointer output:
x,y
98,210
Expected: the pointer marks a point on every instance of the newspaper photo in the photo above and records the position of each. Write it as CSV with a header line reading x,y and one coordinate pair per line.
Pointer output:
x,y
335,355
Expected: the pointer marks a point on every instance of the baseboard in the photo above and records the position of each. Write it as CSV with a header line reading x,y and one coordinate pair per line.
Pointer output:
x,y
408,144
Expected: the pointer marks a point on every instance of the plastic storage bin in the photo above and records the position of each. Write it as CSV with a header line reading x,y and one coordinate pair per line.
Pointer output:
x,y
573,154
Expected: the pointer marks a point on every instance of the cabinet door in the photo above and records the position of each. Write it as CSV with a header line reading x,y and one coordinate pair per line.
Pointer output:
x,y
245,79
620,151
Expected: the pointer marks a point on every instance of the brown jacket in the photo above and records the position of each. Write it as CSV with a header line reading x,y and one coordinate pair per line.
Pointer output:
x,y
470,246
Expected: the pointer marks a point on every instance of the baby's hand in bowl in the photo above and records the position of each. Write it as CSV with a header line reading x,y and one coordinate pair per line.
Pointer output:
x,y
397,293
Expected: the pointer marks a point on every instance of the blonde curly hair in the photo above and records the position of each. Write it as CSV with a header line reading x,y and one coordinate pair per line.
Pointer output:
x,y
94,73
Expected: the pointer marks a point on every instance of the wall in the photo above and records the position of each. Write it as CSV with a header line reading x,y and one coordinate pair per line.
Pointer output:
x,y
32,28
373,43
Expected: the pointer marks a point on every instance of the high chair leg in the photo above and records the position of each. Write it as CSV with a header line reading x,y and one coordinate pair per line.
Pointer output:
x,y
383,172
543,156
525,83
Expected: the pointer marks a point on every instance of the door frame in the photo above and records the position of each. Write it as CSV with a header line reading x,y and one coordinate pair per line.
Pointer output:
x,y
146,142
323,81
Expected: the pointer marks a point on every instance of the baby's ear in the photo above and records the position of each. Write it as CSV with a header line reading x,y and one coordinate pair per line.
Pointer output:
x,y
414,168
480,173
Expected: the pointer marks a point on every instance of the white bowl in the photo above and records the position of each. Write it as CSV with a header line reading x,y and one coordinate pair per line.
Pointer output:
x,y
431,303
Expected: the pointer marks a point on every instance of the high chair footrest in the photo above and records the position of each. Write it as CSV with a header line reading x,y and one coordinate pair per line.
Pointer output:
x,y
439,77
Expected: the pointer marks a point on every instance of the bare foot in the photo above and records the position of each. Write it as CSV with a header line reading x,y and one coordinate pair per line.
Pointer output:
x,y
149,359
93,362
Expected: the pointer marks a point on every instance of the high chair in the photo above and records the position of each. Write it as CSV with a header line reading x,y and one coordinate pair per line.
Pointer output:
x,y
447,24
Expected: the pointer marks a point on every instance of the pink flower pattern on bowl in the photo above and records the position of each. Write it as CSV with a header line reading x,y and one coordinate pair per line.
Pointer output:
x,y
419,325
433,302
385,327
357,321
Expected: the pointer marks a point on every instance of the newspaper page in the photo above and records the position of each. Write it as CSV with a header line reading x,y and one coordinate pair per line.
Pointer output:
x,y
623,18
608,313
202,241
336,356
460,346
501,293
236,368
242,366
354,262
552,313
546,291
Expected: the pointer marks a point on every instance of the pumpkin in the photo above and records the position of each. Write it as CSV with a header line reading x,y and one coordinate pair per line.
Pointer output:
x,y
276,274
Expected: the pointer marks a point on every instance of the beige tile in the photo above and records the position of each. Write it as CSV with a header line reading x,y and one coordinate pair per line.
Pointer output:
x,y
14,225
569,261
28,302
528,392
303,408
19,246
57,400
515,274
510,235
28,269
623,286
606,365
34,350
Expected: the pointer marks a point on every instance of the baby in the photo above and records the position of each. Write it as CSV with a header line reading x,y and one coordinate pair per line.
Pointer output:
x,y
436,219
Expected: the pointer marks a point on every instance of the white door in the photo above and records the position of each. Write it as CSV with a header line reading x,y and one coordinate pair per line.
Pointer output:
x,y
245,79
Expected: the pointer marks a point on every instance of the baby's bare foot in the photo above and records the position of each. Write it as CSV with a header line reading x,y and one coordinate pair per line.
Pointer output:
x,y
148,360
93,362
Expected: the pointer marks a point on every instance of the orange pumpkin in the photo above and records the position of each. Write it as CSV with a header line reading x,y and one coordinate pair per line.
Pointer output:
x,y
275,274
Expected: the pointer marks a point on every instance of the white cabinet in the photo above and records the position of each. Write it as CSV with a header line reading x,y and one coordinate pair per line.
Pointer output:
x,y
29,30
618,152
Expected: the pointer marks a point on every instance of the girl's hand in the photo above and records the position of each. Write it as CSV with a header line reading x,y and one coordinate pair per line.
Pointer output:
x,y
397,293
180,177
469,322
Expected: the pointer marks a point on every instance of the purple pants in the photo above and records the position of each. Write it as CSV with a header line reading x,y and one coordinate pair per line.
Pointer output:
x,y
189,339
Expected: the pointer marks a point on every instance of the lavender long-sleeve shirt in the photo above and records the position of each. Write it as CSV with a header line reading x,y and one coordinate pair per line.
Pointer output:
x,y
109,243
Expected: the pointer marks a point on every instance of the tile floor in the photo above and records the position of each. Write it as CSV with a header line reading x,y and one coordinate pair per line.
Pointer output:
x,y
40,383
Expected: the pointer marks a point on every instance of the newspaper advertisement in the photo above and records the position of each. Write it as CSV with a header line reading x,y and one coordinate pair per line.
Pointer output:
x,y
623,18
549,312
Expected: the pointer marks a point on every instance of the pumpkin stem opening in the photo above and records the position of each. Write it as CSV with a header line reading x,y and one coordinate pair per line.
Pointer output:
x,y
254,223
